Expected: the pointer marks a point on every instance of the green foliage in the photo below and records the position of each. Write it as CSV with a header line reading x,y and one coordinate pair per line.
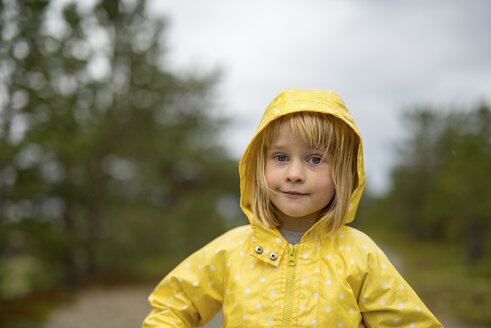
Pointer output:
x,y
107,158
441,186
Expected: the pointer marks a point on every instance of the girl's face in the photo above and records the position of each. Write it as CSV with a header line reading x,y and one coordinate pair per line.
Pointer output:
x,y
299,180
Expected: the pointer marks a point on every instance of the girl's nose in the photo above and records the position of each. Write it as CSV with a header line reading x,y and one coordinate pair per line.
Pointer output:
x,y
295,172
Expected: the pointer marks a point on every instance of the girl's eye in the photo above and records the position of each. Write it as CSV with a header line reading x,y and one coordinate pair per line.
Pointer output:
x,y
315,160
280,158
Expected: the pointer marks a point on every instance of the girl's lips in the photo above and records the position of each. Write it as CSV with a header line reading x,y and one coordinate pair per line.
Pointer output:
x,y
293,193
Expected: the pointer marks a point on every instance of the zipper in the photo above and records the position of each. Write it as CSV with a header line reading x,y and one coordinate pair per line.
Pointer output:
x,y
290,285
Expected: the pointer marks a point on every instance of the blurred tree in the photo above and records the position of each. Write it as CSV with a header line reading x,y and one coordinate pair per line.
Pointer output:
x,y
441,186
107,158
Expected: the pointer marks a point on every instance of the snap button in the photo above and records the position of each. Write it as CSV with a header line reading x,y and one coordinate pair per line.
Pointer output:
x,y
259,249
273,256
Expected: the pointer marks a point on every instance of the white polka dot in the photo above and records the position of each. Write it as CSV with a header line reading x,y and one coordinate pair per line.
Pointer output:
x,y
253,238
251,266
277,111
383,265
227,291
278,240
382,302
328,309
314,323
153,321
244,317
227,239
195,283
290,100
352,261
341,236
365,246
351,311
305,256
340,271
304,281
316,100
303,105
412,325
200,266
247,291
316,296
258,305
318,246
401,287
418,308
237,277
340,324
396,320
328,282
341,296
401,305
179,279
302,308
184,307
235,303
187,265
262,279
364,300
384,283
270,319
228,265
241,242
242,253
348,248
341,248
206,250
210,284
317,270
273,293
212,268
328,257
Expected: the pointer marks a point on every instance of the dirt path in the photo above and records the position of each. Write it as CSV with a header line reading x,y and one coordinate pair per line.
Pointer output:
x,y
121,307
125,307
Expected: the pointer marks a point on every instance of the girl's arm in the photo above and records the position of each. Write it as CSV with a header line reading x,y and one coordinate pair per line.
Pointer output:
x,y
192,293
386,299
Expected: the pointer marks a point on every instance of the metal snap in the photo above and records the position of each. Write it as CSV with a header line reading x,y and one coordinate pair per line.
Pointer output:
x,y
273,256
259,249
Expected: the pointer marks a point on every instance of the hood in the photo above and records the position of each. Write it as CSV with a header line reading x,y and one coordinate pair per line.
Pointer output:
x,y
300,100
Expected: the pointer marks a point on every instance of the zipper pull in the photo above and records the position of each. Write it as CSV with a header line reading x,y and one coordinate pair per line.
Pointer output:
x,y
292,255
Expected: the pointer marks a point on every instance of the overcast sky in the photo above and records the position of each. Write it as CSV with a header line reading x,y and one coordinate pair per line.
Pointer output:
x,y
381,57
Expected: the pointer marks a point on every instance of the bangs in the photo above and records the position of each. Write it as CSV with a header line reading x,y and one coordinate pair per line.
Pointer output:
x,y
317,130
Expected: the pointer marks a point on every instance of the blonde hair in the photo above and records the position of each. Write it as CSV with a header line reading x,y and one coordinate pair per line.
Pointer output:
x,y
317,130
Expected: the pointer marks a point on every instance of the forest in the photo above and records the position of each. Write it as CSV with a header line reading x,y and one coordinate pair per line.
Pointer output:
x,y
111,167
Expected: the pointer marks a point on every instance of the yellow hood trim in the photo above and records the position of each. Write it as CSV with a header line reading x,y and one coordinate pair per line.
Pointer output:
x,y
300,100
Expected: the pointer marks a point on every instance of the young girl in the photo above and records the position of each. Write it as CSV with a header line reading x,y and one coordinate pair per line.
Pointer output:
x,y
297,264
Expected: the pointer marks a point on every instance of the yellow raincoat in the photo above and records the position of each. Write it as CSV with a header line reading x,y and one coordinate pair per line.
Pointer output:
x,y
260,280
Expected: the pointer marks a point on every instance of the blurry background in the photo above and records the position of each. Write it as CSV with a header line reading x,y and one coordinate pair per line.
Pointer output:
x,y
122,122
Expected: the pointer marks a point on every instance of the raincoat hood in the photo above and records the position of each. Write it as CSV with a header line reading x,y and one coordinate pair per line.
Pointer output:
x,y
292,101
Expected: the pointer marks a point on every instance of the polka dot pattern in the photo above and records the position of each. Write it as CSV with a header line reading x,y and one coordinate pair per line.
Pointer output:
x,y
335,288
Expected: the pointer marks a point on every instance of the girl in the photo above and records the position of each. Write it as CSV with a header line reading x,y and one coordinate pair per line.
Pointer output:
x,y
297,264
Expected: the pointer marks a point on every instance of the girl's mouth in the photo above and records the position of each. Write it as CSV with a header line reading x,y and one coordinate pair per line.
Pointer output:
x,y
293,193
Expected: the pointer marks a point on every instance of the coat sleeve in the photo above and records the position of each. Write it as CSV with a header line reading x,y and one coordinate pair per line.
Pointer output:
x,y
386,299
192,293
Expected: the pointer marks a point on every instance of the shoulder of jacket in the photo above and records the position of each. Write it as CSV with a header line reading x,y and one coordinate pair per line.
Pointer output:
x,y
353,242
232,239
